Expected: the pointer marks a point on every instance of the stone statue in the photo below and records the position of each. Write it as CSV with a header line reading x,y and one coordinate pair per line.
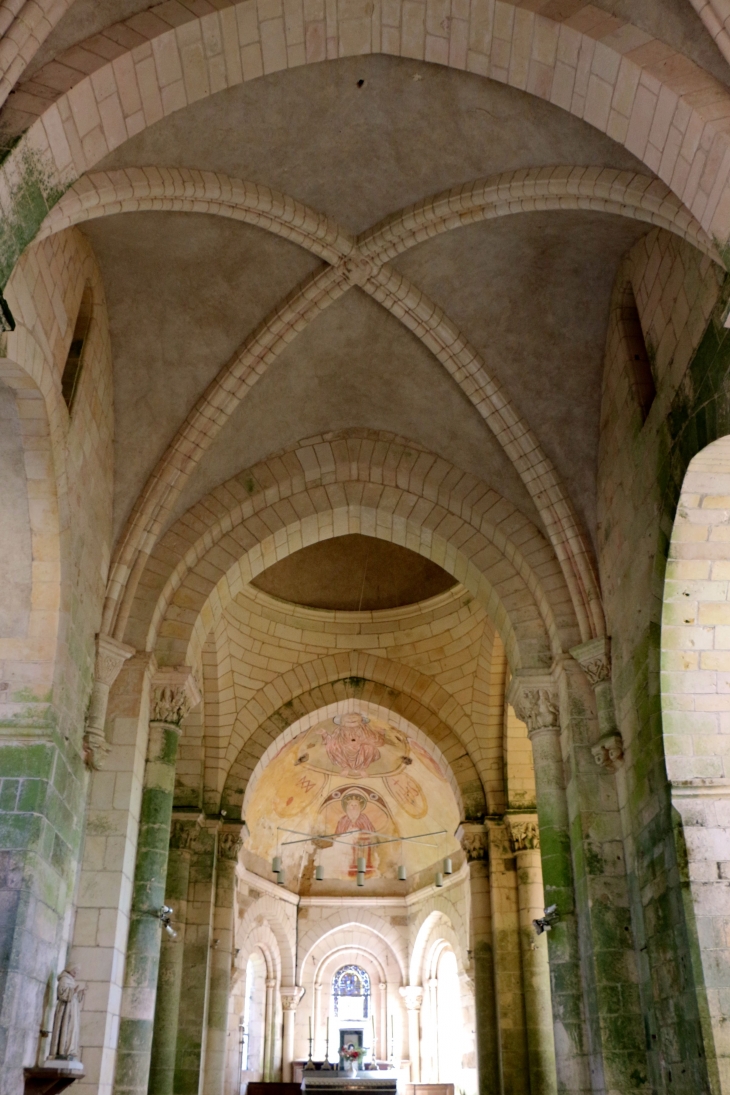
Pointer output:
x,y
66,1021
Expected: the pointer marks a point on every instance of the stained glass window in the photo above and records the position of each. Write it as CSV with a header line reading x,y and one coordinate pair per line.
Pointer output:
x,y
351,992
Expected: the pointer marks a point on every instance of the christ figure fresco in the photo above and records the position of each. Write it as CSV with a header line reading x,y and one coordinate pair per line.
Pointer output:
x,y
352,744
355,820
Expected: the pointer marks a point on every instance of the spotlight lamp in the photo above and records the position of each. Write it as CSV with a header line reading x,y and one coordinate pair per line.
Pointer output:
x,y
164,915
546,922
326,840
439,880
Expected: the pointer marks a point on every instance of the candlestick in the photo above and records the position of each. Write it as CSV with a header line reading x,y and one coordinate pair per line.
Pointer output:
x,y
327,1064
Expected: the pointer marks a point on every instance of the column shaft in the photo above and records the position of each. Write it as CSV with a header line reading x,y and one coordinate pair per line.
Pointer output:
x,y
509,994
535,699
229,844
170,980
174,691
535,966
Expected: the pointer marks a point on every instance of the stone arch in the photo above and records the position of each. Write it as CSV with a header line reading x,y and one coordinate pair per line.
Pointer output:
x,y
599,189
32,563
341,955
359,481
695,699
338,707
268,910
695,648
363,921
437,917
655,102
575,63
323,681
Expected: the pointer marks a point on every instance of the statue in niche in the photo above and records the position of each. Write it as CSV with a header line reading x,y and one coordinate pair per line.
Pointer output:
x,y
67,1018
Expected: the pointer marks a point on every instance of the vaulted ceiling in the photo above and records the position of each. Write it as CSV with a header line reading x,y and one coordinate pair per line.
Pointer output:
x,y
520,286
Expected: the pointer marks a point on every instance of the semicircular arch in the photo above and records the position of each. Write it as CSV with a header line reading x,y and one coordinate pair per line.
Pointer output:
x,y
339,677
360,481
364,924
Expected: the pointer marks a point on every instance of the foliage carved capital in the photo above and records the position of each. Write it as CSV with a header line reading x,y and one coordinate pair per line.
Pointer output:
x,y
174,693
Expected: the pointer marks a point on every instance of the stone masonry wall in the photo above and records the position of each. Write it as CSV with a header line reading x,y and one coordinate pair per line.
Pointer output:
x,y
679,297
47,672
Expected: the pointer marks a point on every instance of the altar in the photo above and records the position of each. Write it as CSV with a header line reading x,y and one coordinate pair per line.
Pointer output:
x,y
368,1082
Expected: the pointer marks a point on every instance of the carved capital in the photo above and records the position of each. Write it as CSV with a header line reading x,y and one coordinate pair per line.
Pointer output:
x,y
524,834
608,753
474,841
412,996
534,697
290,996
110,657
174,693
230,841
184,832
594,658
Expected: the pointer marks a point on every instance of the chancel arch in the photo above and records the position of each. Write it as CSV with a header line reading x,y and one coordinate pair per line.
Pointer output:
x,y
484,528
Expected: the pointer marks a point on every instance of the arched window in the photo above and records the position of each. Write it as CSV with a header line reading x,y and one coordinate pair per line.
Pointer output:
x,y
75,358
351,993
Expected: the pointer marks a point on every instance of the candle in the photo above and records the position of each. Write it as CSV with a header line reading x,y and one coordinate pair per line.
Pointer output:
x,y
392,1038
310,1028
373,1049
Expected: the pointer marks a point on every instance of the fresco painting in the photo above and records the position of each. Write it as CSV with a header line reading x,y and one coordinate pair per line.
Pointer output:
x,y
353,785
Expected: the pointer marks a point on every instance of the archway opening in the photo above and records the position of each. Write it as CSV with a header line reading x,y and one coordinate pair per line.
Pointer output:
x,y
253,1028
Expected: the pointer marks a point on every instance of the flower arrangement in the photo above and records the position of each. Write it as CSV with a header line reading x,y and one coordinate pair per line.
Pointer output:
x,y
353,1055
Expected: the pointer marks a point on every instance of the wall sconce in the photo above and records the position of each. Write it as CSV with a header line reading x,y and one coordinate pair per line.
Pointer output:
x,y
402,873
448,869
319,874
276,864
439,881
361,878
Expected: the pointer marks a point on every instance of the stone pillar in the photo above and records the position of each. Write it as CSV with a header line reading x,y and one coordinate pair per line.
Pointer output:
x,y
473,838
508,985
269,1033
534,697
595,790
198,947
174,693
183,834
413,998
290,997
525,840
107,872
110,657
430,1034
228,847
317,1052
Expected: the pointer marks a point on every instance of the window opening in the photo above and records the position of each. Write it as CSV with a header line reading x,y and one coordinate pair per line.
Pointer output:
x,y
74,360
640,368
351,993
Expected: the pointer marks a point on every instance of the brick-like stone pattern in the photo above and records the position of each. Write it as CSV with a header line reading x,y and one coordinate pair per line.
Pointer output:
x,y
46,673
